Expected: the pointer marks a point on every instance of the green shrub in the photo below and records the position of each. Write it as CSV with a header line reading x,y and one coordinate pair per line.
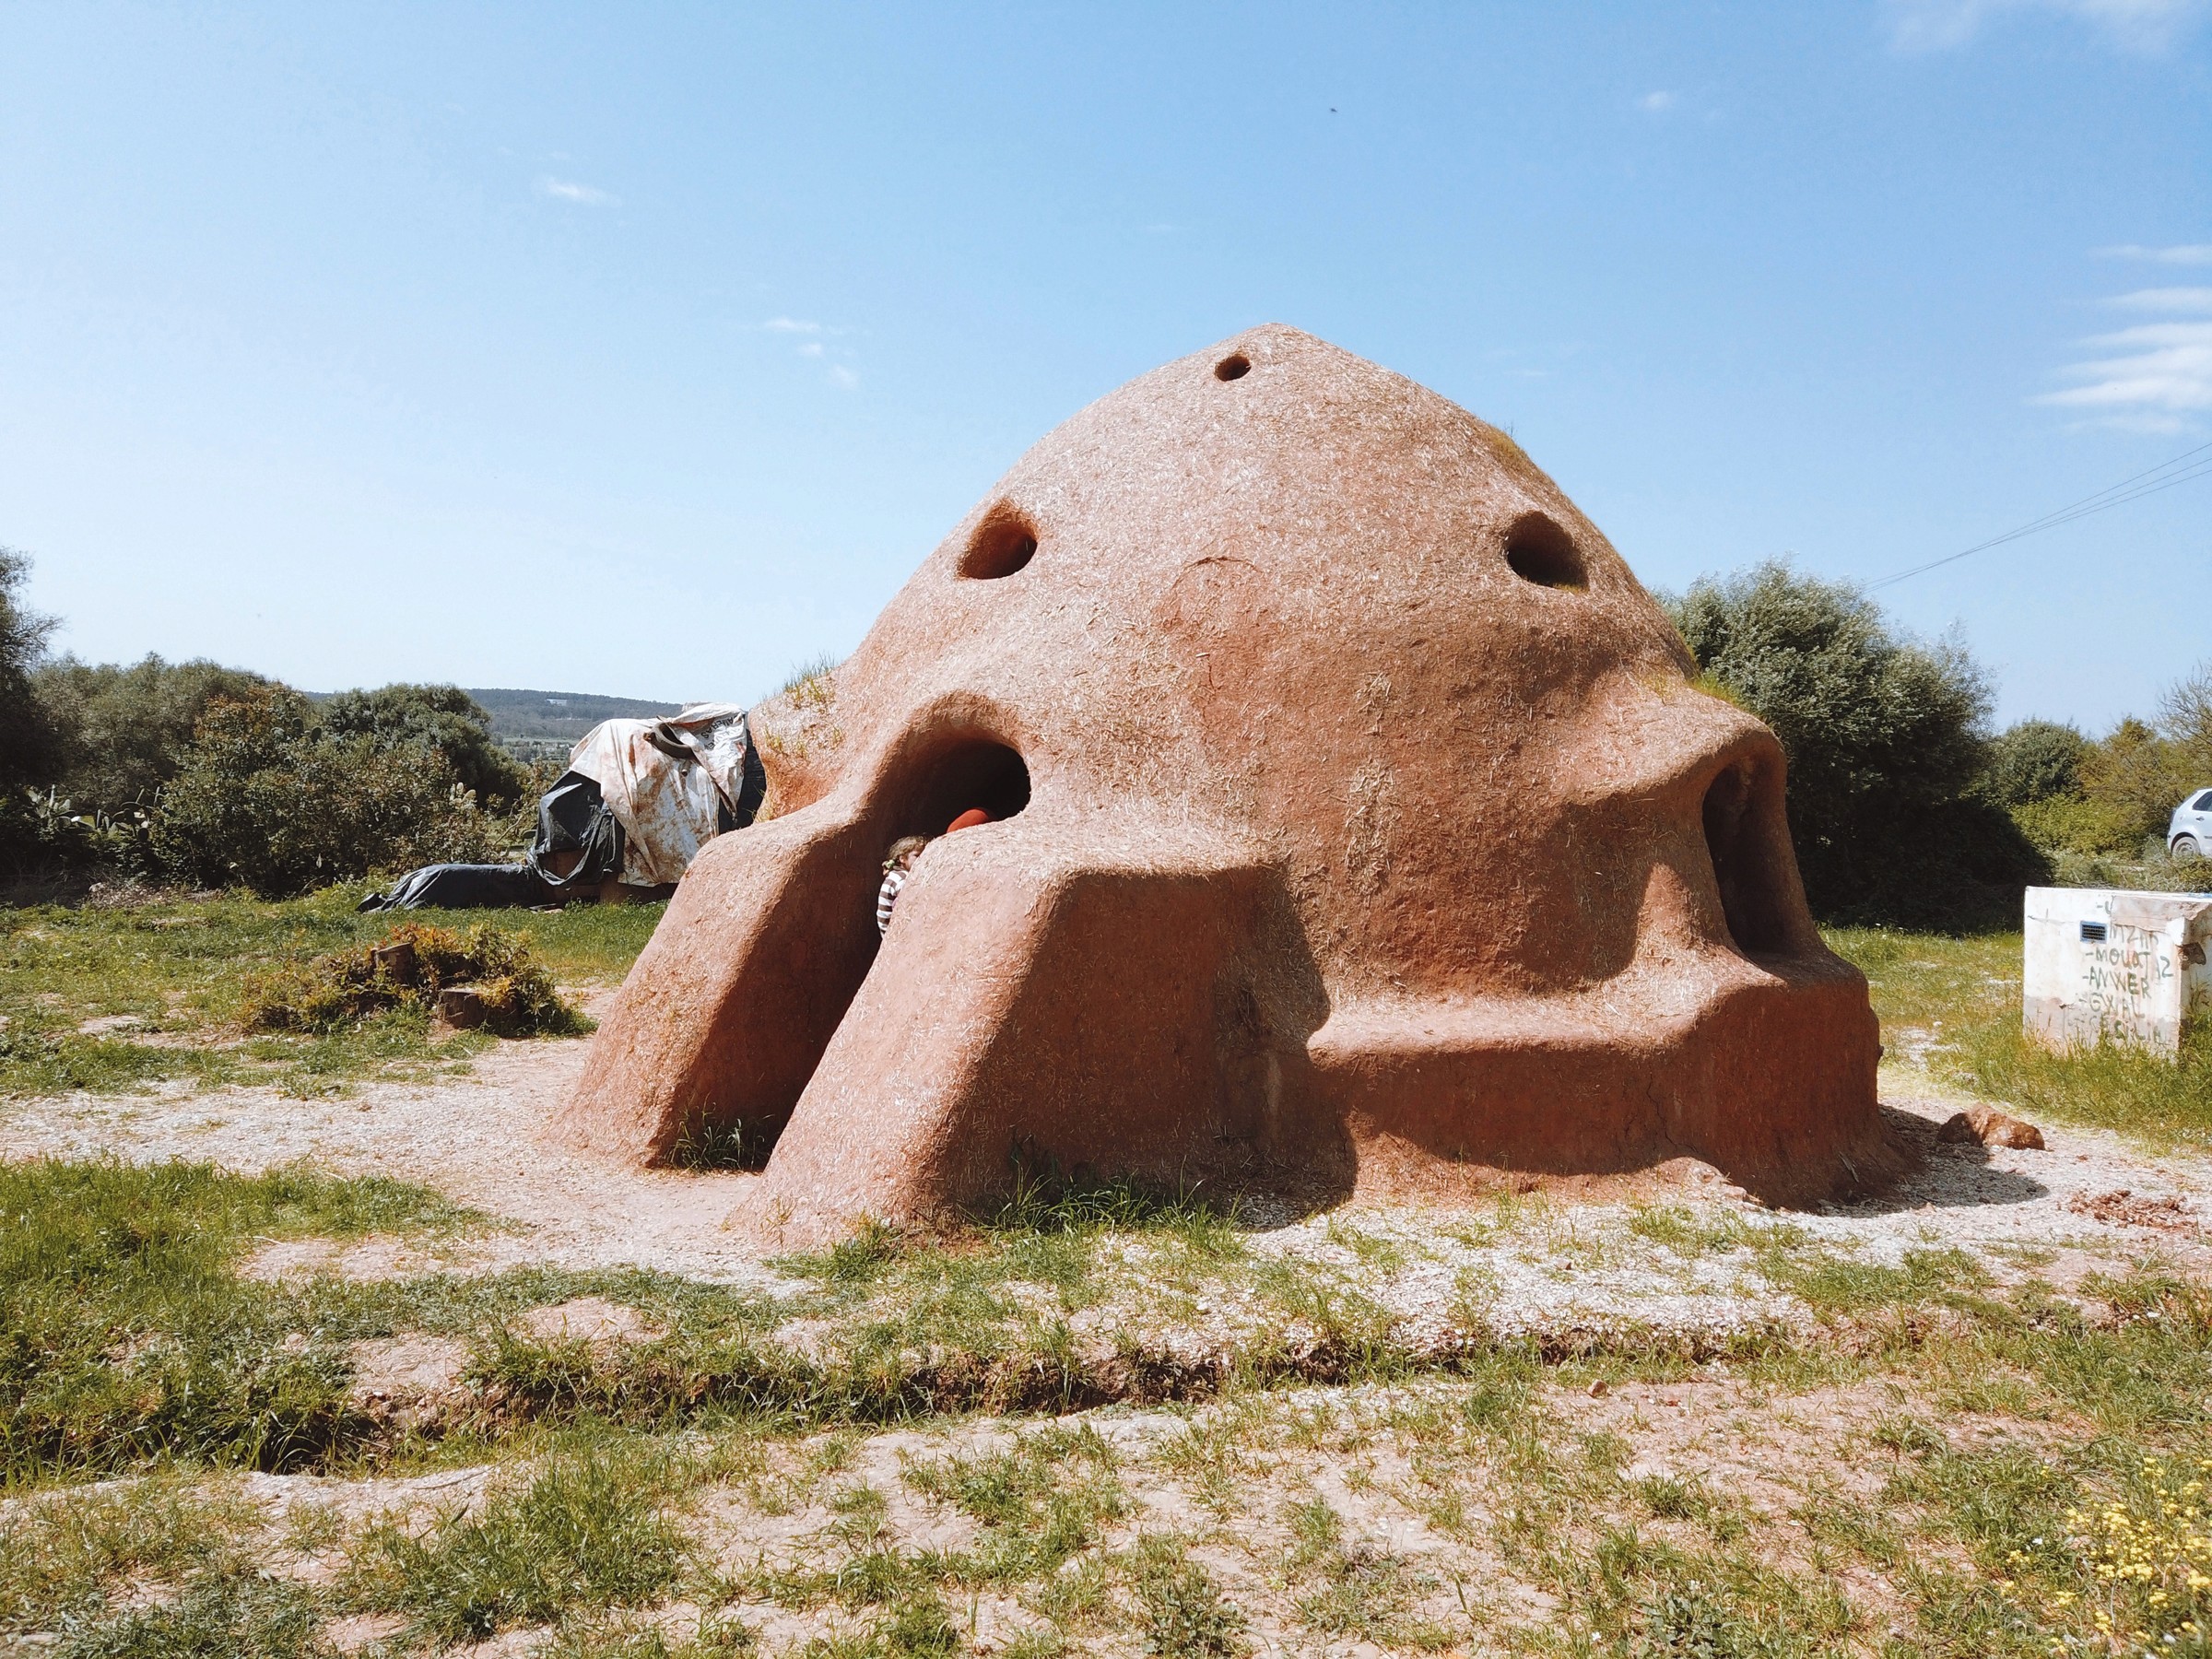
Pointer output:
x,y
1885,741
30,750
2073,824
2033,761
126,729
266,799
346,987
443,718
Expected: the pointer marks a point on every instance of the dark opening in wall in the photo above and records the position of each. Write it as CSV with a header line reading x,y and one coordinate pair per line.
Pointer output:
x,y
1234,367
1539,551
1003,544
973,771
1747,839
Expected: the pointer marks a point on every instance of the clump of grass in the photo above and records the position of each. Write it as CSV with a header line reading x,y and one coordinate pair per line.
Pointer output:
x,y
1183,1613
586,1530
406,969
732,1146
712,1638
1042,1200
237,1616
1691,1232
1040,1502
66,1552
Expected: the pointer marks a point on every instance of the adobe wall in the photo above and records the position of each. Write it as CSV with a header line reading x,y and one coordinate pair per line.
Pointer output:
x,y
1358,825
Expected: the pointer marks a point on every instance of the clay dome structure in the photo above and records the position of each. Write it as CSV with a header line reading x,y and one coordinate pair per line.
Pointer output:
x,y
1357,829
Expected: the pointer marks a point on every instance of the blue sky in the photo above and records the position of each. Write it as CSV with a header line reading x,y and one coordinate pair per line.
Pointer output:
x,y
647,350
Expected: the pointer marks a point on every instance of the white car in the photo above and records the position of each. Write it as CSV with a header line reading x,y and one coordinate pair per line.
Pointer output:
x,y
2190,834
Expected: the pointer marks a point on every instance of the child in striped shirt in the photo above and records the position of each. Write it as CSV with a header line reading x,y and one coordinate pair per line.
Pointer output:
x,y
904,851
900,864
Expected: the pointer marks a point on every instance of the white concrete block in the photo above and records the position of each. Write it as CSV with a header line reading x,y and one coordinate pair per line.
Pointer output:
x,y
2107,966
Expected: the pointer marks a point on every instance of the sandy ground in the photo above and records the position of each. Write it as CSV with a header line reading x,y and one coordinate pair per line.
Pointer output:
x,y
475,1138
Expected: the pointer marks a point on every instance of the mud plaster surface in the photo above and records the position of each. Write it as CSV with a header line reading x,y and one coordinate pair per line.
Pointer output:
x,y
1557,1264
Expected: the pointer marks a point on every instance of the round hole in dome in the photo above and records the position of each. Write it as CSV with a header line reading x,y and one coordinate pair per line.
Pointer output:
x,y
1236,366
1539,551
1003,545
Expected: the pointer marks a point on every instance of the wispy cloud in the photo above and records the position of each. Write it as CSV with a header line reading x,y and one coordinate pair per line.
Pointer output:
x,y
2186,253
790,326
2151,377
1656,103
567,190
1942,25
842,376
2166,300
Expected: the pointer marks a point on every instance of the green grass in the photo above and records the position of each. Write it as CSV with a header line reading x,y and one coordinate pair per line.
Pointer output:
x,y
124,1273
584,1530
177,969
126,1336
1956,1002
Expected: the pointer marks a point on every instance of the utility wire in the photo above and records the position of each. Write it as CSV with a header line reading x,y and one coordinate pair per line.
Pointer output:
x,y
2184,467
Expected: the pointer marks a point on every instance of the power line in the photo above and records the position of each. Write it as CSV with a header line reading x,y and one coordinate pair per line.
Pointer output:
x,y
2184,467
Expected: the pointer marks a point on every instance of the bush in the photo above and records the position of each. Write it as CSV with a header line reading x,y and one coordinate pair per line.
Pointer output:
x,y
126,729
2072,824
1885,742
443,718
416,962
265,799
2031,762
2137,778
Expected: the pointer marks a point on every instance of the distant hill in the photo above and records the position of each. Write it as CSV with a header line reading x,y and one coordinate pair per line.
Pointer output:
x,y
543,717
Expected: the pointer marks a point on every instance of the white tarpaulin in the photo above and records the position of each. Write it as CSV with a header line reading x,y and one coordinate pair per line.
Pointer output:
x,y
672,784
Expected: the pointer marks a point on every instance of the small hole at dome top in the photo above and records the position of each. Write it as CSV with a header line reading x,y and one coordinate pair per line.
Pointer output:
x,y
1235,367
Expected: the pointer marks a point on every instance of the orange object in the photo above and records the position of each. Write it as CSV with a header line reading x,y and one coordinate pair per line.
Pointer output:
x,y
969,819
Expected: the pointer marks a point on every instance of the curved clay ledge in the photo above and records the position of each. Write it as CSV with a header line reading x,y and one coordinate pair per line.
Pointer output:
x,y
1357,830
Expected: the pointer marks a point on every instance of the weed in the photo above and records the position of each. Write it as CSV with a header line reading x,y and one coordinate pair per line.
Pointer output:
x,y
1040,1502
1183,1613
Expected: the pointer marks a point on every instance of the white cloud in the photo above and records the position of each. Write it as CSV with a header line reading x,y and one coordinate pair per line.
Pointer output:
x,y
1656,103
2166,300
811,349
1940,24
567,190
2154,373
790,326
842,376
2187,253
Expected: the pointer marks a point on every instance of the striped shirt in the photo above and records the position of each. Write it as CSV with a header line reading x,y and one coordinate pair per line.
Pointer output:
x,y
887,896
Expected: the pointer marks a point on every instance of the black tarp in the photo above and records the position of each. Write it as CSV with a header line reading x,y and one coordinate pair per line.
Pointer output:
x,y
465,886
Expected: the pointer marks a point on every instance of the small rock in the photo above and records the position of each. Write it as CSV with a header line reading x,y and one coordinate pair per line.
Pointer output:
x,y
1985,1126
1599,1389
